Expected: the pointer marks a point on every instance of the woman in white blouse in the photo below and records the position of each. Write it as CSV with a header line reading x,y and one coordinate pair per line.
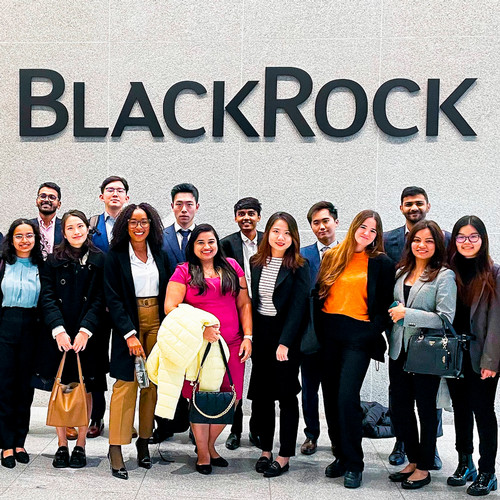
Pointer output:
x,y
135,280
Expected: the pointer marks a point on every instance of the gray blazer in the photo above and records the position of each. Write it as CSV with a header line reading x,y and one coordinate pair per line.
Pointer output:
x,y
485,325
425,302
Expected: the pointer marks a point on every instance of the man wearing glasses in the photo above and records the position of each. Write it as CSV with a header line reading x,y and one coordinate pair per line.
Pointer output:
x,y
48,202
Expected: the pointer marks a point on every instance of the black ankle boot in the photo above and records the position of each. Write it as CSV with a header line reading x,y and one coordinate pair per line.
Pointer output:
x,y
485,482
143,458
466,471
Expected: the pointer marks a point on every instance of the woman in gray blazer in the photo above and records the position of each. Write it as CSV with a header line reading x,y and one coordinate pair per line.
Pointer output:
x,y
478,313
425,289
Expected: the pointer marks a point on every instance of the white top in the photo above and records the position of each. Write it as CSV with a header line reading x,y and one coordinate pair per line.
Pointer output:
x,y
145,274
266,287
249,250
179,235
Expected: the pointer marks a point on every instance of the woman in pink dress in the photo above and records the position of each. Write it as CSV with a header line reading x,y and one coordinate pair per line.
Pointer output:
x,y
216,285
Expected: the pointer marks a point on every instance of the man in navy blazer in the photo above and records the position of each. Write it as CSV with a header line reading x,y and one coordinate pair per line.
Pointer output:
x,y
414,206
241,246
48,201
323,218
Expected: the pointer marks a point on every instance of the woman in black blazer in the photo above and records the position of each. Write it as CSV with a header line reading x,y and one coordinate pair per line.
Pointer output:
x,y
135,280
355,284
478,313
73,305
280,287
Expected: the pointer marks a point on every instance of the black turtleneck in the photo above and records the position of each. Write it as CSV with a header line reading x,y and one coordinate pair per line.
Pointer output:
x,y
466,268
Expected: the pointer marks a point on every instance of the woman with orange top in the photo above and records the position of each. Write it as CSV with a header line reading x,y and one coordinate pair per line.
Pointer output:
x,y
355,285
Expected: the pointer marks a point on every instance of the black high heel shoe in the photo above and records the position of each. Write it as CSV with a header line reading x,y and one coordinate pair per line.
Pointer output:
x,y
143,457
120,473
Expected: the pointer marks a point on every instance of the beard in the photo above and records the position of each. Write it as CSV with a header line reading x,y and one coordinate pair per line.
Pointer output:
x,y
46,210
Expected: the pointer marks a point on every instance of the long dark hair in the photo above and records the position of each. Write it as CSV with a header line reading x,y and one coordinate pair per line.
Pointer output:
x,y
437,261
230,282
9,252
292,258
120,234
483,274
64,251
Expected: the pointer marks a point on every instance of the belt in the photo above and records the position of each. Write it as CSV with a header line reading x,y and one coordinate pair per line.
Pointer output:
x,y
147,301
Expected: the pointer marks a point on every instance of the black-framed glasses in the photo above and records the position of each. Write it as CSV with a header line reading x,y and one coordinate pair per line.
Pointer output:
x,y
45,196
143,223
473,238
112,190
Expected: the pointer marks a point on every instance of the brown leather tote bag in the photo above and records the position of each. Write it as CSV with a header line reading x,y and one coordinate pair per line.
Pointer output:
x,y
68,402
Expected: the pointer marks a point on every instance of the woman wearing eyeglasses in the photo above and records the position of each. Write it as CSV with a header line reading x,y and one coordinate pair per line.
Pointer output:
x,y
19,293
478,313
136,276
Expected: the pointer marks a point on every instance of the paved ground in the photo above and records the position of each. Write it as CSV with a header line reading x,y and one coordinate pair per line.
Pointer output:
x,y
179,480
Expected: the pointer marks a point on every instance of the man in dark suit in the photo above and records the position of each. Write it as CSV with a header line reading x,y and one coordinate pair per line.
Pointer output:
x,y
241,246
114,195
323,219
175,239
414,206
48,201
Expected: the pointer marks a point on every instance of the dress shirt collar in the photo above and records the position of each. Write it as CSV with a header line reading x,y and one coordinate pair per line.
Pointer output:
x,y
247,240
133,257
321,246
41,222
178,228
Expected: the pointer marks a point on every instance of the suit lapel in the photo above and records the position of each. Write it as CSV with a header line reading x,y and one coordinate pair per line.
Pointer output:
x,y
282,275
124,258
103,237
255,273
238,249
373,270
474,305
401,240
414,291
174,244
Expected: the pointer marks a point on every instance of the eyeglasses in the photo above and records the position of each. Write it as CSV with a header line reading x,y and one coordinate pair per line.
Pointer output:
x,y
44,196
473,238
19,237
115,190
143,223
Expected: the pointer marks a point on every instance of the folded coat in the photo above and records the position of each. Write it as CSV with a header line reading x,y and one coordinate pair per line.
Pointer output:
x,y
177,355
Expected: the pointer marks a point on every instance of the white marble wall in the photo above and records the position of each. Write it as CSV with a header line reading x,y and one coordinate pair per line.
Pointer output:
x,y
109,43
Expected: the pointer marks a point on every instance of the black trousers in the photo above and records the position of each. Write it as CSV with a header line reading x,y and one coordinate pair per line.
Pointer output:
x,y
408,389
310,370
237,427
98,398
345,361
473,397
18,327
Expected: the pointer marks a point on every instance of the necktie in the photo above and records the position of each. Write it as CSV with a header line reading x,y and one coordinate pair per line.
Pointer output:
x,y
323,250
185,235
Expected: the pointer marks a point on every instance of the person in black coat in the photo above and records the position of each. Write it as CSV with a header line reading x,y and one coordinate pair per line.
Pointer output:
x,y
355,285
280,289
136,277
73,304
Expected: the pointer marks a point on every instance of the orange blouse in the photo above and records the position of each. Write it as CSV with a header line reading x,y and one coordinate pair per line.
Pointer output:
x,y
349,294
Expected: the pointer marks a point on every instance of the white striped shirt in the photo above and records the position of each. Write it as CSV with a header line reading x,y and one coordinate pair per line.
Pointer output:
x,y
266,287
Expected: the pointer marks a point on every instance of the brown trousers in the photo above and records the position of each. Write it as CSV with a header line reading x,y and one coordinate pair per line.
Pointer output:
x,y
124,397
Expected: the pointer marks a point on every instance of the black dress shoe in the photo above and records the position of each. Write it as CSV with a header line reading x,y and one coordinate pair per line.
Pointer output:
x,y
143,457
262,464
409,484
22,457
78,458
399,477
484,483
335,469
352,479
119,473
437,461
9,462
204,469
397,456
275,469
219,462
233,441
61,458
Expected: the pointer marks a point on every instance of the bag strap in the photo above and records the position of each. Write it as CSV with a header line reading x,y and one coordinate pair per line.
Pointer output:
x,y
205,354
61,367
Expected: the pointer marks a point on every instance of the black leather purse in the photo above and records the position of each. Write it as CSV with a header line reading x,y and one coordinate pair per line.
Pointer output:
x,y
208,407
437,351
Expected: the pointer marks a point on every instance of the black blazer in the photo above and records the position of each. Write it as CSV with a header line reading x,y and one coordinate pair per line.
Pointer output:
x,y
233,246
122,304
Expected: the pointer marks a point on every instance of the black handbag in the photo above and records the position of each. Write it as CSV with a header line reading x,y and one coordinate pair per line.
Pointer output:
x,y
209,407
437,351
309,343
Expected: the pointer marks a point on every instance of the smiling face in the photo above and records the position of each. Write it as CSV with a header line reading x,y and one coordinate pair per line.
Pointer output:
x,y
205,247
423,245
23,240
468,241
365,234
185,208
247,219
75,231
280,238
47,201
415,208
324,226
138,226
114,196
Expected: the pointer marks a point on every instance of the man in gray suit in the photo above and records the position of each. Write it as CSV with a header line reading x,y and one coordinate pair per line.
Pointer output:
x,y
414,206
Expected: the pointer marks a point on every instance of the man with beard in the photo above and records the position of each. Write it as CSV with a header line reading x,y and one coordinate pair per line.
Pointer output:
x,y
415,207
48,202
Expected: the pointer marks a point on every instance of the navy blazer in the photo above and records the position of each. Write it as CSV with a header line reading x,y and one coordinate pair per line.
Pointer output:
x,y
394,242
172,248
233,246
100,236
311,253
57,231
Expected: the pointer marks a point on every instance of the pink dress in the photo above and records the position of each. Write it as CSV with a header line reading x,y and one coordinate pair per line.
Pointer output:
x,y
224,308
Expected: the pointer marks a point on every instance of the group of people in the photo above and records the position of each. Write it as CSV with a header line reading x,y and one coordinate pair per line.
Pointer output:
x,y
165,294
